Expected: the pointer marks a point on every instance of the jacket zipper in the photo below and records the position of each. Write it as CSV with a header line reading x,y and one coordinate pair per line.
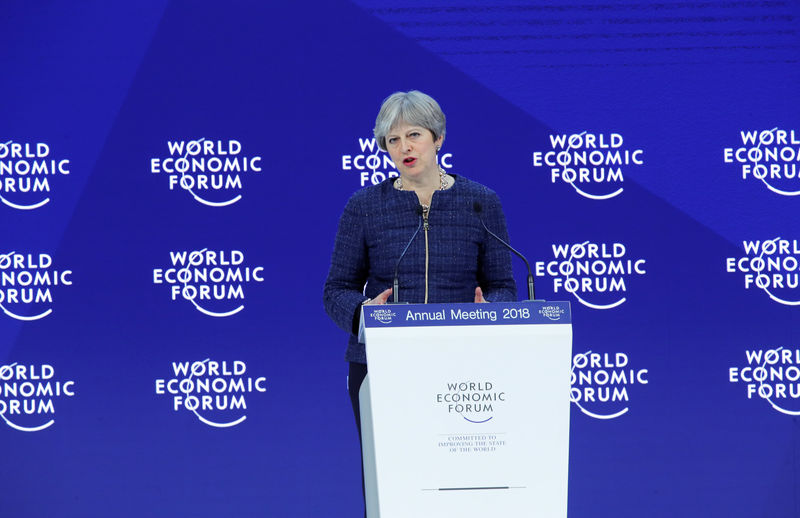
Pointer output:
x,y
426,209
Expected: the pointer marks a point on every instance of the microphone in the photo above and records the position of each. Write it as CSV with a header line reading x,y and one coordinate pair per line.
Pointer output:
x,y
476,206
396,283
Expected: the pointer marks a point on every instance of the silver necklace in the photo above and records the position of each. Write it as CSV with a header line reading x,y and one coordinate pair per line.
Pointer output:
x,y
398,184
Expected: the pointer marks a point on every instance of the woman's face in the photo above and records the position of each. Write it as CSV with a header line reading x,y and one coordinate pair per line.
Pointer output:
x,y
413,150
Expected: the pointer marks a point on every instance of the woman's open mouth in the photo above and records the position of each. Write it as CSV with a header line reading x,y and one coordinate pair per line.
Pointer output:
x,y
409,161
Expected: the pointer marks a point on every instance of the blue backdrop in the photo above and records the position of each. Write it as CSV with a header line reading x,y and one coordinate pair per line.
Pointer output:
x,y
162,355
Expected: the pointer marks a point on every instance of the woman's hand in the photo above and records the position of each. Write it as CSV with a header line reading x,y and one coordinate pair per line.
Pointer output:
x,y
479,295
380,299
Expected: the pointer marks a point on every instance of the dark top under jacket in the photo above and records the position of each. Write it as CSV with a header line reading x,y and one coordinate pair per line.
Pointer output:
x,y
376,225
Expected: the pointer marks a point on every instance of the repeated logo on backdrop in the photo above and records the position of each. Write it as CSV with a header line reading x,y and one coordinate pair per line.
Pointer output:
x,y
28,395
602,383
28,282
216,392
210,171
28,171
213,281
771,376
593,164
770,157
373,165
771,266
598,275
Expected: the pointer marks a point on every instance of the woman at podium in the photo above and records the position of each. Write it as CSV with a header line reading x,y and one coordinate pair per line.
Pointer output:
x,y
424,227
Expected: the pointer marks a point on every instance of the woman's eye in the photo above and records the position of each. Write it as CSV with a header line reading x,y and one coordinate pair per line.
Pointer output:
x,y
392,140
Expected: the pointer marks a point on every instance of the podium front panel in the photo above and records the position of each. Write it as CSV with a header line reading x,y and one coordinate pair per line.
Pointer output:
x,y
469,408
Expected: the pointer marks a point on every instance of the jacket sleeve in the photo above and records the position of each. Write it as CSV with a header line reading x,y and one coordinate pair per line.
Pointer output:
x,y
495,276
343,292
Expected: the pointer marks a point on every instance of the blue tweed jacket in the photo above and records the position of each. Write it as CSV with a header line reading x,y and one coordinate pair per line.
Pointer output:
x,y
376,225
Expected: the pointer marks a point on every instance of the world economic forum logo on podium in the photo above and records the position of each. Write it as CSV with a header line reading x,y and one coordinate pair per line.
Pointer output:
x,y
552,312
474,401
383,315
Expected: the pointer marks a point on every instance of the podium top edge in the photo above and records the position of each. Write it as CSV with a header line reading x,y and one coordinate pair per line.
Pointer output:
x,y
493,313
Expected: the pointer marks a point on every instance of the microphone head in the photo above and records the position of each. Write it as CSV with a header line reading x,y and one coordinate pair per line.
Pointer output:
x,y
419,210
476,206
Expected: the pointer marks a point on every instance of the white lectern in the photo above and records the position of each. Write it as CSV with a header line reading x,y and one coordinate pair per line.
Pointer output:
x,y
465,410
